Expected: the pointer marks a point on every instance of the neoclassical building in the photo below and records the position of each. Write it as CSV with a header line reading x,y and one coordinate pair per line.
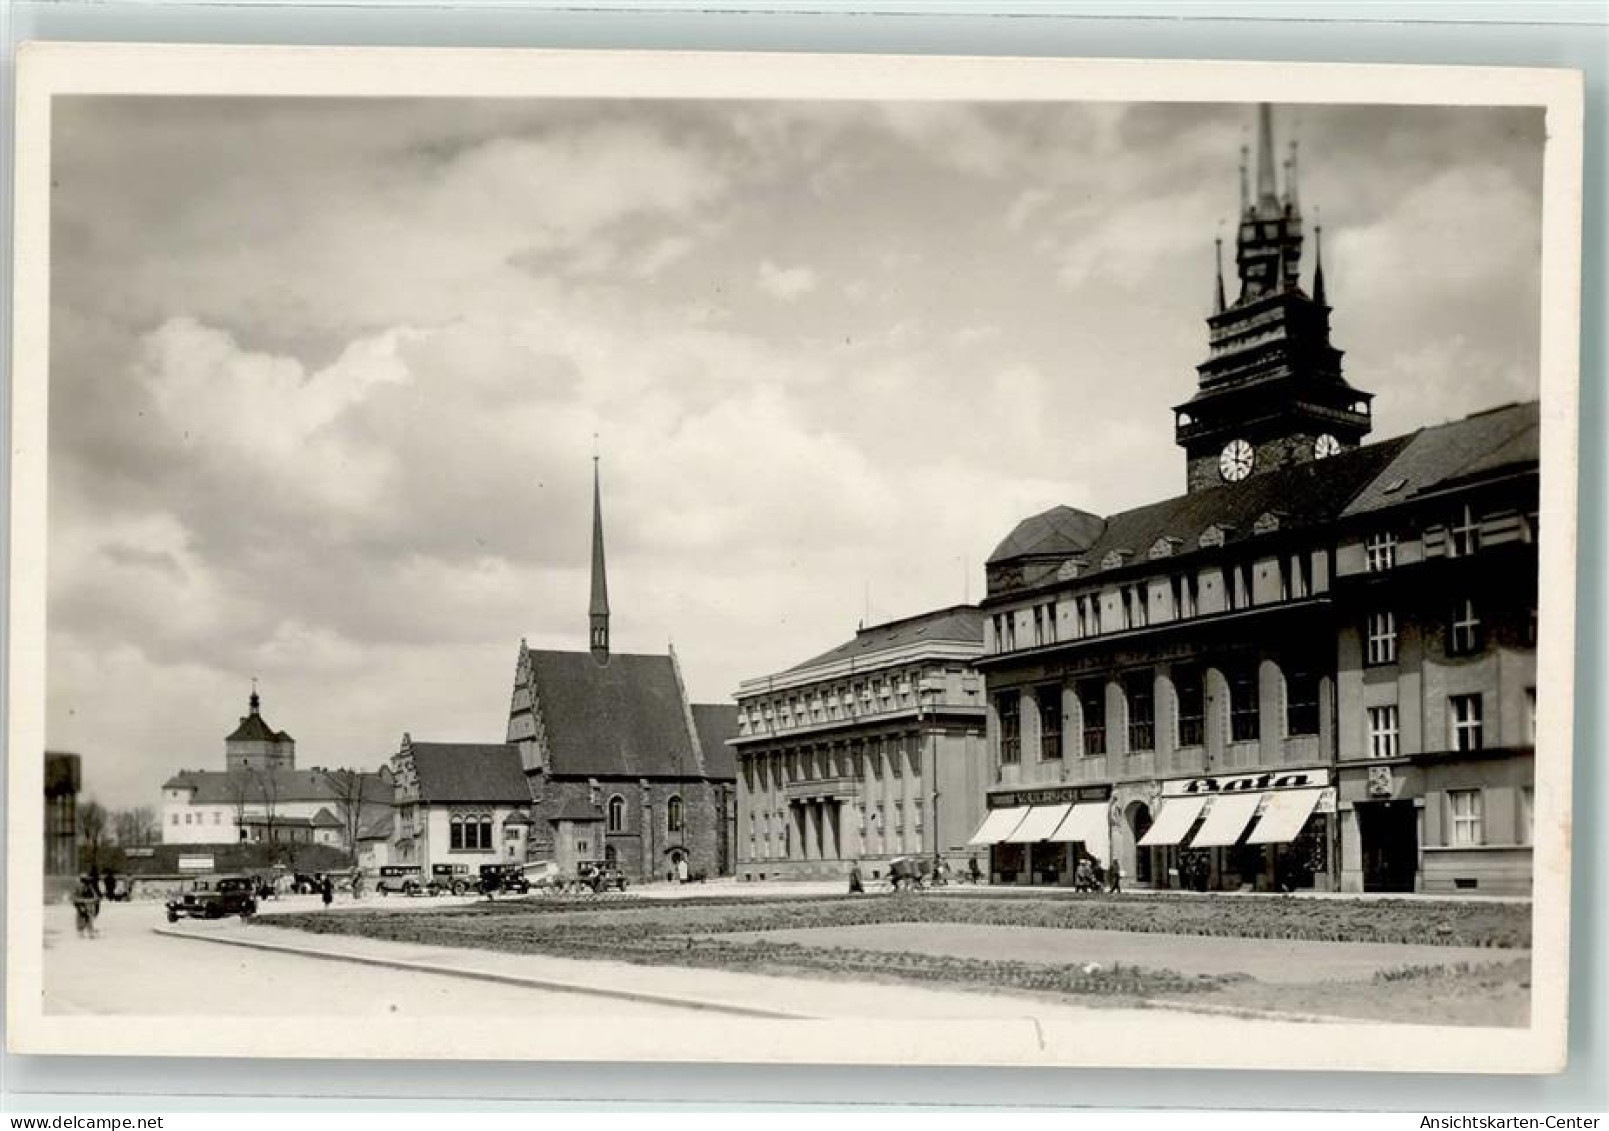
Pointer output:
x,y
621,765
1311,669
872,750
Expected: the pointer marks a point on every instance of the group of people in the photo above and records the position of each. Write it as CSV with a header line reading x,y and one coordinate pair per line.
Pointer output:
x,y
87,905
939,874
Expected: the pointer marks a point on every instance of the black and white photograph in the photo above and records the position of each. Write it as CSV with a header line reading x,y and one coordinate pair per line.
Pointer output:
x,y
975,562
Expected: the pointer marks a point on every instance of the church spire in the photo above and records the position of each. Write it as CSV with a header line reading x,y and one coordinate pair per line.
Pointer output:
x,y
598,613
255,702
1218,303
1318,265
1267,190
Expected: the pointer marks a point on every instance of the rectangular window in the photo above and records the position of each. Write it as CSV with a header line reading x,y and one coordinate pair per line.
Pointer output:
x,y
1464,805
1140,694
175,818
1134,610
1237,587
1301,577
1466,714
1380,552
1010,728
1094,616
1190,686
1049,699
1050,624
1039,626
1380,631
1185,597
1092,705
916,815
1244,721
1383,731
1464,638
1301,698
1466,535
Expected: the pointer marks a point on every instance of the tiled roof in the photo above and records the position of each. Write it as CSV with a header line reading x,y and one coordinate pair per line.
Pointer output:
x,y
716,722
324,819
219,787
377,827
960,624
1065,531
626,718
1480,445
517,818
574,809
469,771
252,728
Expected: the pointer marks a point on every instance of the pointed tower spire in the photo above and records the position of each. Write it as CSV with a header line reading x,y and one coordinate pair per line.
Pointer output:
x,y
1318,265
1218,303
598,613
1245,186
254,701
1292,205
1267,190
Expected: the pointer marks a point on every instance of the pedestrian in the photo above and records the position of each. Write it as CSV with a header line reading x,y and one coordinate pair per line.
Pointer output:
x,y
857,886
681,870
1114,878
357,884
87,905
973,872
327,889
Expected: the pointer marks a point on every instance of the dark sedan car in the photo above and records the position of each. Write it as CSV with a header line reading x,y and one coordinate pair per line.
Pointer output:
x,y
214,899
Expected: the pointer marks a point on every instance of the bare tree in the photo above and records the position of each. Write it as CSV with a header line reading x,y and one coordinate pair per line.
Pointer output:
x,y
349,788
268,782
240,796
136,826
93,830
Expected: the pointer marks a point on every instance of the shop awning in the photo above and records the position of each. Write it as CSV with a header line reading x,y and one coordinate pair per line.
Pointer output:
x,y
1284,815
998,825
1040,822
1227,818
1086,823
1178,814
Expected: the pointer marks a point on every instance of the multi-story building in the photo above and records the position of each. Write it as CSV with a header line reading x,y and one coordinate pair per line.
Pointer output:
x,y
1436,596
1181,688
459,806
622,765
867,752
63,775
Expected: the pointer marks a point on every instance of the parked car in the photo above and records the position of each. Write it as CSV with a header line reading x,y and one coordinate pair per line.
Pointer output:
x,y
400,879
600,876
215,898
498,879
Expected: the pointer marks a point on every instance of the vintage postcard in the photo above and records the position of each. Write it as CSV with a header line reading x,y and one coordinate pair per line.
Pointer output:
x,y
792,558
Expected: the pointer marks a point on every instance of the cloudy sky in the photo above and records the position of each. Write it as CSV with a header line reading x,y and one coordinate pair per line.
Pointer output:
x,y
325,375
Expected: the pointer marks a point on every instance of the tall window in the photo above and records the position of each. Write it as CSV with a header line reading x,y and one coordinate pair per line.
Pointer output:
x,y
1185,597
1464,806
1465,635
1383,731
1190,686
617,813
1049,698
1466,713
1243,716
1530,715
1381,632
1092,705
1380,552
1039,625
1010,728
1237,586
1301,577
1301,698
673,814
1050,623
1135,614
1138,689
1466,533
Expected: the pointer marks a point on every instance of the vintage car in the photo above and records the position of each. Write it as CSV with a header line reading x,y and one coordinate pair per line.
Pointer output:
x,y
496,879
214,898
599,876
400,879
448,879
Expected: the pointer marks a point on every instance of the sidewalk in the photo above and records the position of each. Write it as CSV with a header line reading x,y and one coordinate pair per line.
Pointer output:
x,y
718,992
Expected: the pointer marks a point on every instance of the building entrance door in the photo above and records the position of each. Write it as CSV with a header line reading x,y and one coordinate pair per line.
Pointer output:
x,y
1388,834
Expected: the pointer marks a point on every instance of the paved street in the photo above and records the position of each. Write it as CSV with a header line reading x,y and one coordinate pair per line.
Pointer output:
x,y
132,970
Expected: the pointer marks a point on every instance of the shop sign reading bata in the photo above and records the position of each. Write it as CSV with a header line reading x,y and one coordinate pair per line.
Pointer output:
x,y
1247,783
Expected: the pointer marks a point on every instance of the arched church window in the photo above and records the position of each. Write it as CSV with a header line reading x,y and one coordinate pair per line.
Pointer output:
x,y
673,814
617,813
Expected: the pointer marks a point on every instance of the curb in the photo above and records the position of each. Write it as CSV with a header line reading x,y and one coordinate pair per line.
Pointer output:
x,y
551,984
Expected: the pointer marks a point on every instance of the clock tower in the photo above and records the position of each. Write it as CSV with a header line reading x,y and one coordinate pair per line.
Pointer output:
x,y
1271,392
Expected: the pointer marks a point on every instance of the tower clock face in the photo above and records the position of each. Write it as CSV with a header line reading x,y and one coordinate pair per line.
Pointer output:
x,y
1326,446
1236,461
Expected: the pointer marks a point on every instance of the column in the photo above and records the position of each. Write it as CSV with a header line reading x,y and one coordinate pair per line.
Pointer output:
x,y
829,830
810,833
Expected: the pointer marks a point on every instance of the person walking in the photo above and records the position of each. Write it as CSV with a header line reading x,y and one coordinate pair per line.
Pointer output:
x,y
87,906
327,890
973,873
681,870
1114,877
857,886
